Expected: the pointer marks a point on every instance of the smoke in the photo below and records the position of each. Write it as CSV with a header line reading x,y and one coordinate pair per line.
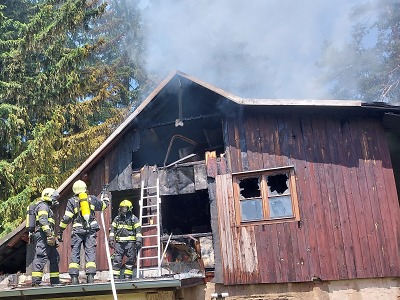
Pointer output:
x,y
251,48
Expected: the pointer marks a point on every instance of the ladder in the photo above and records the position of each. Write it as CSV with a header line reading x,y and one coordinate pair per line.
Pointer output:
x,y
149,218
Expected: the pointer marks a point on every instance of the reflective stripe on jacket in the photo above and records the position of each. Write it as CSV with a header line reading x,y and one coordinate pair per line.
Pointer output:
x,y
44,217
126,228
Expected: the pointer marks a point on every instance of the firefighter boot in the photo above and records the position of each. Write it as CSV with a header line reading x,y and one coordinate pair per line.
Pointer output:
x,y
36,280
128,277
74,279
90,278
55,281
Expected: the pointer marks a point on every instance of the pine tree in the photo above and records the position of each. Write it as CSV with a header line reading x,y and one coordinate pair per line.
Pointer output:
x,y
367,68
66,82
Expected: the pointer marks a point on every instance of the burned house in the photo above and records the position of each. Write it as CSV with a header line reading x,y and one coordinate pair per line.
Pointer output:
x,y
256,196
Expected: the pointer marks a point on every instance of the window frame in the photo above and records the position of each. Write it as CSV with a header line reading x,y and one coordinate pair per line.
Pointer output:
x,y
289,170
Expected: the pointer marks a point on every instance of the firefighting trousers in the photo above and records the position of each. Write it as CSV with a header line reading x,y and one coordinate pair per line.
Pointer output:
x,y
88,240
44,252
122,249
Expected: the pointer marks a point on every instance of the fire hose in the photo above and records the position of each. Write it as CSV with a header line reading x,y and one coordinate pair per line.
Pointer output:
x,y
108,250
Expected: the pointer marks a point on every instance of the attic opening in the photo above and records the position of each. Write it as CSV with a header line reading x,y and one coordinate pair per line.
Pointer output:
x,y
165,144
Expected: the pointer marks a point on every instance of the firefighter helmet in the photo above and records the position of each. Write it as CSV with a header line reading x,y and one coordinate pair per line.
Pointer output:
x,y
79,187
124,207
126,203
48,194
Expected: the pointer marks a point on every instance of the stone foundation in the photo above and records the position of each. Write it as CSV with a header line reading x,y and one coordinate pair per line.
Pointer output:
x,y
359,289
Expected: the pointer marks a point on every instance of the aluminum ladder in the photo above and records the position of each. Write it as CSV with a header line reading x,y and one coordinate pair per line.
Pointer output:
x,y
149,218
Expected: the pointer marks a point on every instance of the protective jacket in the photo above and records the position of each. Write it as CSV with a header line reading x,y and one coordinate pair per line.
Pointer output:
x,y
83,232
43,251
127,233
44,217
126,228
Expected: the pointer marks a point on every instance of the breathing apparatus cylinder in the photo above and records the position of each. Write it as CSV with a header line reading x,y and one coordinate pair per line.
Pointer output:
x,y
84,206
31,218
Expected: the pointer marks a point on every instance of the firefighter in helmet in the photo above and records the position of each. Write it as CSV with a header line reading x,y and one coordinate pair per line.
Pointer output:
x,y
45,238
80,210
125,239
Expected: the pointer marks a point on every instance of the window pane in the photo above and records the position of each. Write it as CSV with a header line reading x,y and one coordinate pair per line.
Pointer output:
x,y
251,210
250,187
278,184
280,207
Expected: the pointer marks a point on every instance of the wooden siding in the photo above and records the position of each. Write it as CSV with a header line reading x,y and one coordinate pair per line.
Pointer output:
x,y
347,196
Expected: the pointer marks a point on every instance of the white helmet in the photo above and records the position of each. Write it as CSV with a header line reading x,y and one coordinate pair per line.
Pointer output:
x,y
47,193
79,187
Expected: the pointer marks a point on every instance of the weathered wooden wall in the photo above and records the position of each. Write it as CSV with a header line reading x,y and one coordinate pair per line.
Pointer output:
x,y
348,203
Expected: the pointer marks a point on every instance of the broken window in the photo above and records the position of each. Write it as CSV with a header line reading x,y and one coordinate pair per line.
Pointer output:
x,y
250,198
268,195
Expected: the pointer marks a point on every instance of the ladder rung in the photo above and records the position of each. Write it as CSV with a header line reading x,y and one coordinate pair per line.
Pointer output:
x,y
150,235
148,268
149,187
149,216
150,247
149,197
146,206
148,257
146,226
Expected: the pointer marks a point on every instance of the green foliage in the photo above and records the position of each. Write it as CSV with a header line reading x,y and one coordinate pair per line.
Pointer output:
x,y
65,84
367,68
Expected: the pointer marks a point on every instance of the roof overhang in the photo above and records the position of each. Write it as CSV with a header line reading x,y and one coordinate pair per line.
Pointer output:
x,y
81,290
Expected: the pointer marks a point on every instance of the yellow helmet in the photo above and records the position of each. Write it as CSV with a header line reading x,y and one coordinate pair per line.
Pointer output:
x,y
79,187
124,207
126,203
47,193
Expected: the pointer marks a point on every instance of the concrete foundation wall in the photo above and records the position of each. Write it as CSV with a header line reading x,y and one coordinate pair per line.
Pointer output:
x,y
360,289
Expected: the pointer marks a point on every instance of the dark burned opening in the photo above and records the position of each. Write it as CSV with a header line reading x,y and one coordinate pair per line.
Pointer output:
x,y
165,144
277,183
250,187
186,214
118,196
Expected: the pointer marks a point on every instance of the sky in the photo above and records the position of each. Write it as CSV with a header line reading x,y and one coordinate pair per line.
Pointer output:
x,y
188,35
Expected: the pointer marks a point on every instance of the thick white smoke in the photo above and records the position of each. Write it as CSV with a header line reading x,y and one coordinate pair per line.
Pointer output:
x,y
191,36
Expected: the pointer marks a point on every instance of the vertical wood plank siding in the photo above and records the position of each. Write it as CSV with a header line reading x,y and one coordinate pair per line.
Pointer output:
x,y
347,198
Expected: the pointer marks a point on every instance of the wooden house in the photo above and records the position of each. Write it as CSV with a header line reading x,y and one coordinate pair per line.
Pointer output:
x,y
261,197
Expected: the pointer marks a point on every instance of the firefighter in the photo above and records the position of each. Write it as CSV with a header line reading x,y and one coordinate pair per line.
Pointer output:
x,y
80,211
125,239
45,238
